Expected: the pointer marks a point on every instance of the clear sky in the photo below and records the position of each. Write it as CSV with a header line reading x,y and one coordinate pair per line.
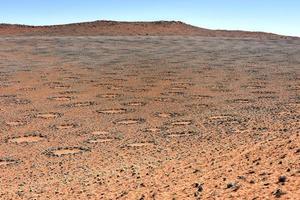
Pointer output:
x,y
278,16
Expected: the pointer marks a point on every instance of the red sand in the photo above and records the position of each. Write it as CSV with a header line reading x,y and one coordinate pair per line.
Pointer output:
x,y
141,117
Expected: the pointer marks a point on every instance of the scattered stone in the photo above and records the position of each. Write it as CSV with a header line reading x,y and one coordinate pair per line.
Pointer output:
x,y
282,179
278,193
233,186
198,186
241,177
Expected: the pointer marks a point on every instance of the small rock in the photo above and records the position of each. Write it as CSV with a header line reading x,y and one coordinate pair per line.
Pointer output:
x,y
234,186
282,179
198,186
142,198
278,193
230,185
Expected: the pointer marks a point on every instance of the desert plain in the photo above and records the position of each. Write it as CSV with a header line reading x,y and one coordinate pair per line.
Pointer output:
x,y
149,117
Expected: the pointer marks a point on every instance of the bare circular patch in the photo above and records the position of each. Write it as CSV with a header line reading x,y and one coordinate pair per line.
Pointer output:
x,y
181,134
167,114
173,93
254,87
65,126
16,123
182,84
226,120
18,101
178,88
60,87
99,140
100,132
263,92
221,117
134,103
129,121
61,98
109,95
240,101
50,115
115,111
81,104
114,87
199,96
181,123
8,161
68,92
8,96
140,144
27,89
64,151
26,139
154,129
164,99
137,90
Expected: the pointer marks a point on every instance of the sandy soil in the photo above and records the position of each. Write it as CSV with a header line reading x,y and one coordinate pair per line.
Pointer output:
x,y
149,118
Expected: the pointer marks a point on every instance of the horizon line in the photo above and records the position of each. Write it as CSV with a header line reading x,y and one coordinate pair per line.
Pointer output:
x,y
142,21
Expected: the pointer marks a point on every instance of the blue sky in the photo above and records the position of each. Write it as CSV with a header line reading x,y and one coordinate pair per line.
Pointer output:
x,y
278,16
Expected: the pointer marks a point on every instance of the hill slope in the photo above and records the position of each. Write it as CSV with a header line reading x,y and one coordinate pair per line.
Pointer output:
x,y
113,28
